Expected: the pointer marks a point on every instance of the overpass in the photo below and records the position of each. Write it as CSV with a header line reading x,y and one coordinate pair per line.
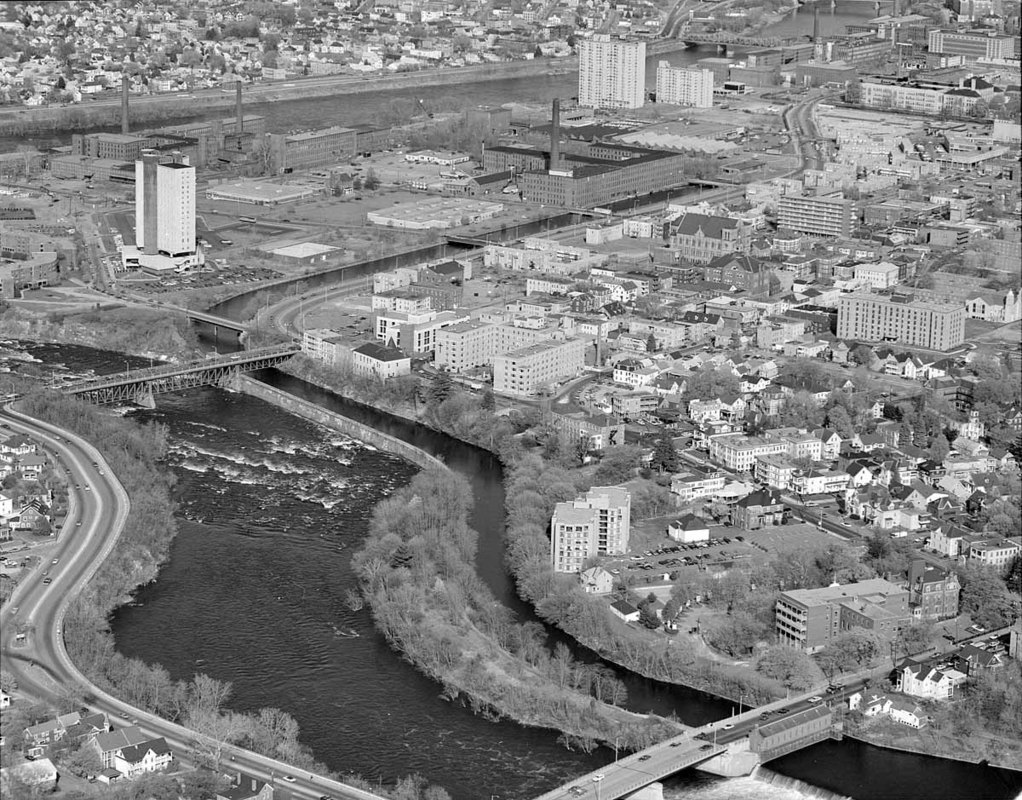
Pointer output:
x,y
139,385
731,747
215,321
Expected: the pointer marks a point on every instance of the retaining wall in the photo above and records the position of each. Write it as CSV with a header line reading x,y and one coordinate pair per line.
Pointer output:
x,y
338,422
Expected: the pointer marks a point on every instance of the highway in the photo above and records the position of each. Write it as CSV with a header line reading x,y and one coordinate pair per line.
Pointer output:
x,y
41,664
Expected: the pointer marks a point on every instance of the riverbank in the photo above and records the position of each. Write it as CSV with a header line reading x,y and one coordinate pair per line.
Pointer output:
x,y
139,332
676,665
978,748
349,427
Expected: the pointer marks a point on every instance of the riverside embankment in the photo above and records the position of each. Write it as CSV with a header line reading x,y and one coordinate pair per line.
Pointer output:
x,y
349,427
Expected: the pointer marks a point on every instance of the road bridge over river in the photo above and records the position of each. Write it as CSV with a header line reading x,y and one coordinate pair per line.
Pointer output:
x,y
140,385
730,747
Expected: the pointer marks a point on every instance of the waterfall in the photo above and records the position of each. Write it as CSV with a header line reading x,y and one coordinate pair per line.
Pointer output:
x,y
804,789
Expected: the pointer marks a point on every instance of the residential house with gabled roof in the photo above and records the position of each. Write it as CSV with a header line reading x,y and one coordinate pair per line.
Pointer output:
x,y
246,787
948,539
137,759
596,580
971,659
907,713
19,445
921,680
831,443
859,474
625,610
758,510
107,745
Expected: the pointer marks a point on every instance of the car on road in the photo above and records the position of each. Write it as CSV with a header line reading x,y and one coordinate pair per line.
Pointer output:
x,y
598,777
705,747
816,699
782,711
578,791
833,689
729,726
55,561
88,488
78,486
765,715
645,758
78,524
677,744
47,581
289,778
325,797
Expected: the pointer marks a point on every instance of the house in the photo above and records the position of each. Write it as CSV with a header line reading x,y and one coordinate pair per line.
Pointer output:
x,y
920,680
375,360
872,705
137,759
246,787
625,611
688,529
831,443
31,466
971,659
907,713
19,445
596,581
107,745
758,510
40,774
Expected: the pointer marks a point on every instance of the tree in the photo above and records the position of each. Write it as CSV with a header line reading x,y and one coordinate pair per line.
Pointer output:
x,y
441,388
850,651
985,597
840,421
371,182
939,449
648,617
617,465
794,668
487,402
711,384
665,457
915,638
651,344
861,354
83,761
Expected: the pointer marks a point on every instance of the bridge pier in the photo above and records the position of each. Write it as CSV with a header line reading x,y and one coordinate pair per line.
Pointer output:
x,y
736,762
144,397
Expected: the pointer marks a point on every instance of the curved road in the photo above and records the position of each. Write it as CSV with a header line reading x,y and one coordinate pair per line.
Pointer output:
x,y
41,663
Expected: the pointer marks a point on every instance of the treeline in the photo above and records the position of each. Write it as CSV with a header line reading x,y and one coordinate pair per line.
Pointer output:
x,y
416,570
134,453
533,488
125,330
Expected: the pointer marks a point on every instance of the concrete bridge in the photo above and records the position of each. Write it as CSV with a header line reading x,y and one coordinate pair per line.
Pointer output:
x,y
140,385
730,748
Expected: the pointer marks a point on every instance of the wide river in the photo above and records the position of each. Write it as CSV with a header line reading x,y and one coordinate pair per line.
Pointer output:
x,y
271,509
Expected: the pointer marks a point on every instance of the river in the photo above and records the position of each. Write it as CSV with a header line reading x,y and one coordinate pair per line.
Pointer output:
x,y
364,109
271,509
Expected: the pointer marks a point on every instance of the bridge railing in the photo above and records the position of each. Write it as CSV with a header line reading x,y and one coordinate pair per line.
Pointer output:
x,y
169,371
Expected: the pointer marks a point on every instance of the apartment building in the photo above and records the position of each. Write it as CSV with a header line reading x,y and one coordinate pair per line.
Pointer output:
x,y
684,86
598,523
808,619
375,360
690,486
739,452
611,73
933,592
883,275
475,343
775,470
164,207
997,553
526,371
413,333
897,317
820,215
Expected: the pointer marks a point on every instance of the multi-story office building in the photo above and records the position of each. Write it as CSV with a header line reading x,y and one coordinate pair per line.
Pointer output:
x,y
477,343
598,523
684,86
894,317
524,372
809,618
611,73
821,215
164,207
973,45
413,333
311,149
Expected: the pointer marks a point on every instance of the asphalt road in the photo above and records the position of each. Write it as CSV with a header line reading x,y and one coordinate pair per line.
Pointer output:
x,y
41,664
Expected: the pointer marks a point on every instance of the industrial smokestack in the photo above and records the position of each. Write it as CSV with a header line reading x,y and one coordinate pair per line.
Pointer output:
x,y
816,23
237,108
124,105
555,134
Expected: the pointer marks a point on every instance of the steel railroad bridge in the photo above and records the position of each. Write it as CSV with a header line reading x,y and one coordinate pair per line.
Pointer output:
x,y
140,385
724,38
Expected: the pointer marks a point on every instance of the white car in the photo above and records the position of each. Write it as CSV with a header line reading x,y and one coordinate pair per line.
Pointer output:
x,y
597,778
289,778
816,699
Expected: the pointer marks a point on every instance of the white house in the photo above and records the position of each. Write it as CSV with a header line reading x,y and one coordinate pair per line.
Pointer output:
x,y
625,611
919,680
688,529
372,359
596,581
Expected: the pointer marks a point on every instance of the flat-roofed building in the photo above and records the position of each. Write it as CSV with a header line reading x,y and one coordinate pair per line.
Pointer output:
x,y
684,86
375,360
598,523
896,317
808,619
819,215
611,73
524,372
289,152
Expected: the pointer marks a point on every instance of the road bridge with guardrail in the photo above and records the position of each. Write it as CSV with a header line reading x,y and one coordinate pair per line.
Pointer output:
x,y
140,385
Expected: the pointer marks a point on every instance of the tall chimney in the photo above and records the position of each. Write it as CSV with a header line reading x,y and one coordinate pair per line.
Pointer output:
x,y
555,134
124,105
237,108
816,23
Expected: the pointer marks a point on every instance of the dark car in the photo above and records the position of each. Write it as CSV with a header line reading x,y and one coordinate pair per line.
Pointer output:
x,y
706,747
645,758
765,715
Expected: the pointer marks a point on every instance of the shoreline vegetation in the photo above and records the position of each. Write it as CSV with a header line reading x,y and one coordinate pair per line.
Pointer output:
x,y
533,487
135,453
135,331
416,570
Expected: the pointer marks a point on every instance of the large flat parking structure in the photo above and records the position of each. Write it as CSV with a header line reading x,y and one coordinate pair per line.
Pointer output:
x,y
261,193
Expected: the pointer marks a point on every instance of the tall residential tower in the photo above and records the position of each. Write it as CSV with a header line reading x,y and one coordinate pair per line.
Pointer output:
x,y
611,73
